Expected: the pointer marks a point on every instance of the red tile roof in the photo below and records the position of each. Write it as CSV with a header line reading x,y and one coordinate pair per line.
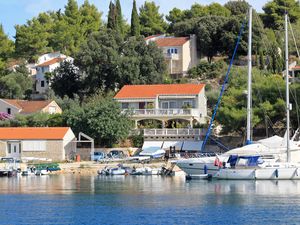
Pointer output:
x,y
171,41
33,133
28,106
151,91
51,62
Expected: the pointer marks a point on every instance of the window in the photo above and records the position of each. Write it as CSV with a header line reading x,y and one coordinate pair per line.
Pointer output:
x,y
52,109
34,146
187,104
43,69
172,51
165,105
125,105
15,149
9,148
8,111
42,83
172,105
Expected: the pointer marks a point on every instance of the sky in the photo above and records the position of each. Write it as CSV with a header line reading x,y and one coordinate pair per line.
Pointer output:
x,y
14,12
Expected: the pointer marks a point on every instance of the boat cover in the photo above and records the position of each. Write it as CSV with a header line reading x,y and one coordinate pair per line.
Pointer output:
x,y
148,144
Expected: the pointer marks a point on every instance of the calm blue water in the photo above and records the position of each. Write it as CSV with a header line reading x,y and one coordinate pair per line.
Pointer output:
x,y
69,199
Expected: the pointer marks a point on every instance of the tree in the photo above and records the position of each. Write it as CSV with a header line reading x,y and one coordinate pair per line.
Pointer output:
x,y
102,119
99,60
111,19
237,7
119,19
215,9
14,85
90,18
66,80
6,48
108,63
208,32
267,101
141,63
275,10
32,39
6,45
152,22
135,21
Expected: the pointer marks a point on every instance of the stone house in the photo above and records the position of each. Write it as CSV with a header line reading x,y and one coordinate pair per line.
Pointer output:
x,y
43,143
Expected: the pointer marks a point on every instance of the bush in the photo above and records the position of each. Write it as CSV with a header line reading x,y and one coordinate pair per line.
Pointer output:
x,y
205,70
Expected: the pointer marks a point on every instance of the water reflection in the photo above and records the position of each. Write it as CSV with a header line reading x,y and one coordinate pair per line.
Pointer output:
x,y
70,184
135,200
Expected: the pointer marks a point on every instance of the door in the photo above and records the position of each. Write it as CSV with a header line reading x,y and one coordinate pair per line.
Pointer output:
x,y
14,149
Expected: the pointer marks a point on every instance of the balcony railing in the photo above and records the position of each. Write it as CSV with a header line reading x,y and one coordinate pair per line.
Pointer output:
x,y
174,132
163,112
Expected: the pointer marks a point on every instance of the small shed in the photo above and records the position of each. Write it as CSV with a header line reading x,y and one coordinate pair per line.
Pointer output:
x,y
46,143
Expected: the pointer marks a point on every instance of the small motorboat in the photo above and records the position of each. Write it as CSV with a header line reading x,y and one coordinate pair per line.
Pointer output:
x,y
112,171
30,171
144,171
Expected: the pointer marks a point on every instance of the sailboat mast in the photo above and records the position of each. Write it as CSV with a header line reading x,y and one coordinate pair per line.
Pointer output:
x,y
287,90
249,90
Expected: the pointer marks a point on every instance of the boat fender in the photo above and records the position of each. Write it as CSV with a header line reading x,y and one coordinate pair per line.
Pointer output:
x,y
254,174
276,173
296,172
205,169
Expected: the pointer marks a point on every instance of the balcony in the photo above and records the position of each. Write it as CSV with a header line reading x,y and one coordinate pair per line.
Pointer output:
x,y
173,132
163,112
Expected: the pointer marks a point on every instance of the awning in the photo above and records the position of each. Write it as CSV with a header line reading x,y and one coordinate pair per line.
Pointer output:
x,y
192,145
176,144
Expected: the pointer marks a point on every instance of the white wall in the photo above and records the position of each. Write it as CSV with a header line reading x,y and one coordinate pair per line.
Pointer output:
x,y
4,106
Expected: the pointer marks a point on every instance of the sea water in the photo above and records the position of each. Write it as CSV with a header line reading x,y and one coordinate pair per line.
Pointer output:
x,y
70,199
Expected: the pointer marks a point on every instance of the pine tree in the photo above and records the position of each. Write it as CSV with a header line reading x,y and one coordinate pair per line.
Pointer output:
x,y
111,21
90,18
135,21
152,22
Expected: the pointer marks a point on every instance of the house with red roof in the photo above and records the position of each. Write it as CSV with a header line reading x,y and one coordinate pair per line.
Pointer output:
x,y
170,104
47,63
16,106
37,143
180,53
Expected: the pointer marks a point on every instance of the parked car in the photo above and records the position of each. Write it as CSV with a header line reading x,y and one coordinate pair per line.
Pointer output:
x,y
98,156
116,154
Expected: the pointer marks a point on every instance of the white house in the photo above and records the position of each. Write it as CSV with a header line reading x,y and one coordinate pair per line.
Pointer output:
x,y
51,143
180,53
47,63
165,103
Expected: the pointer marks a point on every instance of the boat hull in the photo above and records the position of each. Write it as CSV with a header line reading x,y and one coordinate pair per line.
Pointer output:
x,y
197,168
259,174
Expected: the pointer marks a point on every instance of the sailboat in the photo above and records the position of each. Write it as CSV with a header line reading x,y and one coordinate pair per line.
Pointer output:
x,y
249,167
270,150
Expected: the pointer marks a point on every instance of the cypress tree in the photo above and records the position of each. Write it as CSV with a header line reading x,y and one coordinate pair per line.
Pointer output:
x,y
135,21
119,18
111,21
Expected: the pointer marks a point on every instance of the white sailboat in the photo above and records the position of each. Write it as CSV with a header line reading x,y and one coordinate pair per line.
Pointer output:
x,y
273,149
239,167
